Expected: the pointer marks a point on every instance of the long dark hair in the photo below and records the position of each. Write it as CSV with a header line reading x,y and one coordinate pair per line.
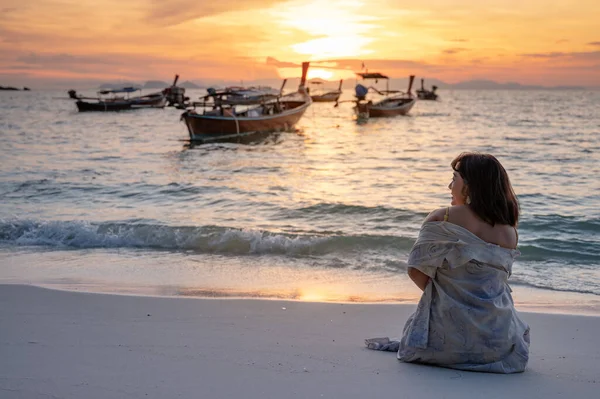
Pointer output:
x,y
489,189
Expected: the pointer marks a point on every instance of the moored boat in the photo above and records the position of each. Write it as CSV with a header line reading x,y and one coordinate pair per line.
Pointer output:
x,y
327,97
424,94
103,106
175,95
394,102
220,120
108,100
11,88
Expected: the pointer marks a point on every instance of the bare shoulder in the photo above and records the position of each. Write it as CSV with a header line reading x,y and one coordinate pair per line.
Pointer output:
x,y
463,216
502,235
436,215
506,236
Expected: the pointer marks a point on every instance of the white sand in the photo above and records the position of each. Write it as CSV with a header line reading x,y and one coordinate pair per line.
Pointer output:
x,y
56,344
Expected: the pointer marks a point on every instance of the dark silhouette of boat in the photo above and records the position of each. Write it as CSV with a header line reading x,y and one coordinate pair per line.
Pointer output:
x,y
176,95
424,94
11,88
108,100
326,97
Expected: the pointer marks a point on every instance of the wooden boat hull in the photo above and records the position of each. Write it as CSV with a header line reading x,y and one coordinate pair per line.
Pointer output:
x,y
103,106
202,126
326,98
153,101
381,111
427,95
239,100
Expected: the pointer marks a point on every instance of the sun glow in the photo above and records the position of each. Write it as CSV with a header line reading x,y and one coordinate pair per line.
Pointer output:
x,y
333,47
312,294
525,42
319,73
337,28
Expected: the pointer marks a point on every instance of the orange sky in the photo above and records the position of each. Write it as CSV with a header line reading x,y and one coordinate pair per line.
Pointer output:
x,y
544,42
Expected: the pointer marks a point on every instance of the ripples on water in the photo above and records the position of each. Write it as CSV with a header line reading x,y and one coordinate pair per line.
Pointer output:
x,y
335,197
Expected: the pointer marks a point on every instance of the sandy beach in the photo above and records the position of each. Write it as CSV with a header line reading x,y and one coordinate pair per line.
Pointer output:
x,y
79,345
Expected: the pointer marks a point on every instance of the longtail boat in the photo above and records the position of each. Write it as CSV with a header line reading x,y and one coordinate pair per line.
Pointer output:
x,y
219,120
424,94
394,102
175,94
327,97
107,100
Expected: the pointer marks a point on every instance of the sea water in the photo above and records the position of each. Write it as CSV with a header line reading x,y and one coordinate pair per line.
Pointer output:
x,y
119,202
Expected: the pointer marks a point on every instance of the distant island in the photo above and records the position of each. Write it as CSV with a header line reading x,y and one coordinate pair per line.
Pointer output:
x,y
155,84
190,85
396,83
491,85
150,84
10,88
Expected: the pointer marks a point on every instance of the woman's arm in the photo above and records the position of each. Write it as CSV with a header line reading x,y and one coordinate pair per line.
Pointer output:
x,y
418,277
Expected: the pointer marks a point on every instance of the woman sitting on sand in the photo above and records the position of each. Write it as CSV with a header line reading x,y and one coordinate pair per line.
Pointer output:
x,y
462,260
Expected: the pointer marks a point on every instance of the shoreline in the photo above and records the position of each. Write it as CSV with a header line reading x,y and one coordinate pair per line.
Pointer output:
x,y
164,275
527,299
71,344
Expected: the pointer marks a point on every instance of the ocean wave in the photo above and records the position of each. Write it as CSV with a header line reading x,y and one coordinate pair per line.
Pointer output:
x,y
560,223
549,286
329,209
203,239
326,249
570,252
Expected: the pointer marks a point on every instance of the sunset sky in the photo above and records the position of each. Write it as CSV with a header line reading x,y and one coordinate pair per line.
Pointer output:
x,y
543,42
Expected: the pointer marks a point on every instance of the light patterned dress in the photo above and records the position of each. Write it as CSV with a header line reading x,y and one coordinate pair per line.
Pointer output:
x,y
466,318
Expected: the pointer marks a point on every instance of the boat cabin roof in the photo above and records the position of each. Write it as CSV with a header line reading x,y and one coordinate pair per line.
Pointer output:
x,y
120,90
371,75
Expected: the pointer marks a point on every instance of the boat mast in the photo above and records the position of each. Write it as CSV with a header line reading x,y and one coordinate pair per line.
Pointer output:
x,y
303,79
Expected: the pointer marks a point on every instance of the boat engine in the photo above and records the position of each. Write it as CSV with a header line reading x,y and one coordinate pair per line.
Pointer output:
x,y
360,92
